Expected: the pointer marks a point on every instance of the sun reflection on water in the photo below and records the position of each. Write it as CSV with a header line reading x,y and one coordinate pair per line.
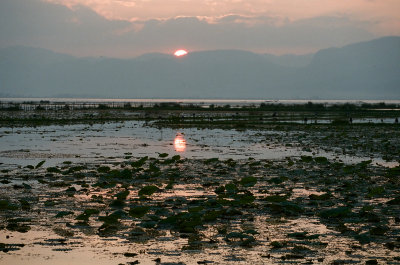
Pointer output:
x,y
179,143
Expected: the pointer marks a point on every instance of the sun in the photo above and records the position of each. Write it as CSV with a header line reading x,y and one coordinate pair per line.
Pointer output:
x,y
180,53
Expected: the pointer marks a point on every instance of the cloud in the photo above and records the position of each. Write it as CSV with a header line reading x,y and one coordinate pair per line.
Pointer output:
x,y
262,36
290,9
34,23
81,31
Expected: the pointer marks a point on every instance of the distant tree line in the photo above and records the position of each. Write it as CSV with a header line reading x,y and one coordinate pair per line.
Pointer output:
x,y
309,106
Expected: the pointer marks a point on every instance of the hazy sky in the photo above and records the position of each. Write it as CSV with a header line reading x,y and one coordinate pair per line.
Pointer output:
x,y
126,28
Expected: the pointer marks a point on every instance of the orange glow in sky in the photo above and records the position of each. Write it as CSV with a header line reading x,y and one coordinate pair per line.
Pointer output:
x,y
288,9
179,143
180,53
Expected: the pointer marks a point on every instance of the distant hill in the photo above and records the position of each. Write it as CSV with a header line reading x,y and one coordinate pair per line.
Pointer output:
x,y
290,60
364,70
368,70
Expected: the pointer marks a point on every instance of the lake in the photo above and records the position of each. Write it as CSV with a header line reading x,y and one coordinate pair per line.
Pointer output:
x,y
176,191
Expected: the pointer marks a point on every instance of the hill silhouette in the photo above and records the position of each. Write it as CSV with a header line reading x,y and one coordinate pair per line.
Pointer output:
x,y
367,70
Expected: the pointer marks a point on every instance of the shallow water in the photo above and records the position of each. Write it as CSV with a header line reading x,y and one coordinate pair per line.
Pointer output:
x,y
44,246
118,144
116,140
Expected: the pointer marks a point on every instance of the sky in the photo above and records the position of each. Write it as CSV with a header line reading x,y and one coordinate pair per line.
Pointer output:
x,y
129,28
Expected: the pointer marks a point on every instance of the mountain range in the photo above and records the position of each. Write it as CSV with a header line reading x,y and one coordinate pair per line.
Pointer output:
x,y
366,70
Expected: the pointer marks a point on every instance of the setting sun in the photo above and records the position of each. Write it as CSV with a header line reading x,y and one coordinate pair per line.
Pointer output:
x,y
180,53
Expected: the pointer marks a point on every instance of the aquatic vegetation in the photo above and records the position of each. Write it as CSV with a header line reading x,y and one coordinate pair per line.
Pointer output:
x,y
63,232
322,197
378,230
285,208
7,205
248,181
395,201
277,244
63,213
10,247
307,159
321,159
229,206
25,205
140,162
339,212
301,207
375,191
86,214
278,180
53,170
276,198
245,239
148,190
138,211
40,164
16,225
103,169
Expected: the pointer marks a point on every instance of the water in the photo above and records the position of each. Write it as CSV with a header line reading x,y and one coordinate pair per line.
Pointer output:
x,y
120,141
116,141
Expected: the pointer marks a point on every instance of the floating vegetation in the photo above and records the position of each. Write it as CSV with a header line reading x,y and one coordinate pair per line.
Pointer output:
x,y
235,209
148,190
308,206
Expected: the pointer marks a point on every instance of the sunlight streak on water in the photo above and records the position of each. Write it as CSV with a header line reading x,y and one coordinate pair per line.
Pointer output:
x,y
180,143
